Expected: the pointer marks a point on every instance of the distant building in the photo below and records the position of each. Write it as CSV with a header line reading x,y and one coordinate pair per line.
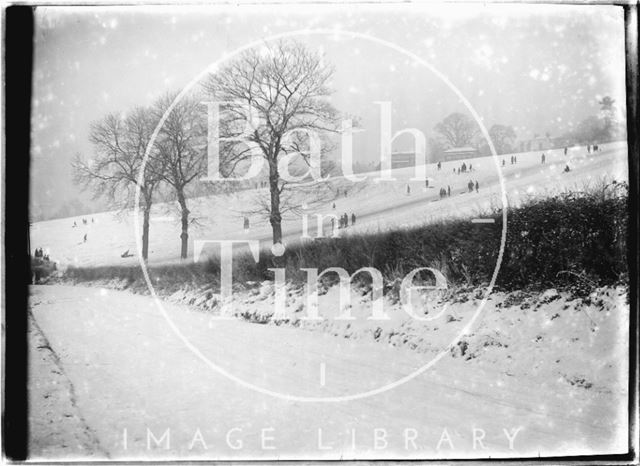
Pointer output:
x,y
403,159
459,153
535,144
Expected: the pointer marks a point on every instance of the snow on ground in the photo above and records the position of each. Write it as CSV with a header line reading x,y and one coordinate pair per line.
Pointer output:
x,y
377,205
111,376
546,370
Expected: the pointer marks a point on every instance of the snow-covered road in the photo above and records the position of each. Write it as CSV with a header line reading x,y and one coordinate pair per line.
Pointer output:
x,y
137,391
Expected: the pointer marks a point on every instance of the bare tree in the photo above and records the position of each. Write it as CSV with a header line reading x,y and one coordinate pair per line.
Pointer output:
x,y
119,144
181,152
286,86
607,110
503,138
457,129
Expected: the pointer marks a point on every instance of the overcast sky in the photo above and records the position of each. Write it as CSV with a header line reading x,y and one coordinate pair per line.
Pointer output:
x,y
536,68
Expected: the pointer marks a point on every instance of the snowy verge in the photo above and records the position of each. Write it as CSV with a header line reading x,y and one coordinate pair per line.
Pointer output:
x,y
581,342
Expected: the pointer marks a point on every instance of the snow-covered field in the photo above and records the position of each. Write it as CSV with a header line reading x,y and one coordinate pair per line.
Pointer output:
x,y
377,205
536,374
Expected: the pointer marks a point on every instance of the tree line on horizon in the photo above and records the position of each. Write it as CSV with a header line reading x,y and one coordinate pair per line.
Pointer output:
x,y
459,130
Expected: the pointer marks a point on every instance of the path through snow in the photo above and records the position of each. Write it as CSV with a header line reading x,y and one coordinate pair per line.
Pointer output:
x,y
134,381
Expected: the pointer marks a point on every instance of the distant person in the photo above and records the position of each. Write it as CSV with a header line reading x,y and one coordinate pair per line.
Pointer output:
x,y
458,170
542,159
439,165
512,160
503,162
408,189
588,149
334,205
470,167
426,183
85,238
454,170
595,148
477,186
353,219
246,224
464,167
567,169
74,225
515,159
333,225
565,150
449,191
92,220
470,186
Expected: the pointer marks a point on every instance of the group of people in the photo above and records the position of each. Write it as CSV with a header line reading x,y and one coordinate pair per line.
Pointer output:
x,y
463,168
41,254
445,192
84,222
590,148
343,221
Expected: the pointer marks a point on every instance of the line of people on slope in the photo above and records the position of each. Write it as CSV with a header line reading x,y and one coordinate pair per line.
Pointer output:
x,y
84,222
343,221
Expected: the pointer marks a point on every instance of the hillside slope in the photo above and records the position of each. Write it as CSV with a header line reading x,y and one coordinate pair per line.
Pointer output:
x,y
377,205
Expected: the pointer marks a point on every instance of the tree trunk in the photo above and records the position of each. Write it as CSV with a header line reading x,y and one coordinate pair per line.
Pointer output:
x,y
184,236
274,216
145,232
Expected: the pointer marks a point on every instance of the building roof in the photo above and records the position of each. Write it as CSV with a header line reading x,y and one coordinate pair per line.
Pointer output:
x,y
406,152
460,149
